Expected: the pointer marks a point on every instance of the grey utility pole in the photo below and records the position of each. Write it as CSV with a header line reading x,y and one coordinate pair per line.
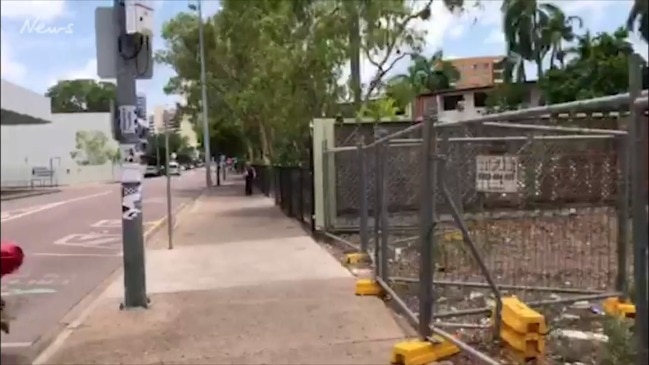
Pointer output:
x,y
132,232
206,129
170,225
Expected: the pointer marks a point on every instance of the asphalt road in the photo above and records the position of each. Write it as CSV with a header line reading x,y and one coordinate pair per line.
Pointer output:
x,y
72,241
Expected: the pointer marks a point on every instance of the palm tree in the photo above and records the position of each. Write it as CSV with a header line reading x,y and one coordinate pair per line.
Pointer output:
x,y
602,46
423,75
558,30
639,14
524,22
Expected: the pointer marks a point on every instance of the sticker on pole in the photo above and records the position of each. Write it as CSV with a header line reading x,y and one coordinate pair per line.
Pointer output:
x,y
496,174
128,122
131,201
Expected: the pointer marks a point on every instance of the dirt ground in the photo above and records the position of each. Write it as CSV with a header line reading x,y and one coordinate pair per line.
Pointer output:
x,y
571,249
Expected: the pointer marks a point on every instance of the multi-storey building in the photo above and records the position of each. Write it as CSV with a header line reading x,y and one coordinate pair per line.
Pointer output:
x,y
140,108
151,124
167,116
467,98
163,117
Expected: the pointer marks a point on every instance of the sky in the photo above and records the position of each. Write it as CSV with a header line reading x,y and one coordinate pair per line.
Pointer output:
x,y
37,60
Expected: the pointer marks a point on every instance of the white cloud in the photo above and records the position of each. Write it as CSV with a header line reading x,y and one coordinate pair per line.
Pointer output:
x,y
495,37
595,9
42,9
87,72
456,32
11,69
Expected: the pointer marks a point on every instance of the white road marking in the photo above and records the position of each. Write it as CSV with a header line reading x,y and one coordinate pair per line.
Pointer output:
x,y
90,240
15,345
31,291
112,223
7,216
58,254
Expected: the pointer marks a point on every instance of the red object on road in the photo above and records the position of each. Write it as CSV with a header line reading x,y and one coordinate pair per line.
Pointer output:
x,y
12,257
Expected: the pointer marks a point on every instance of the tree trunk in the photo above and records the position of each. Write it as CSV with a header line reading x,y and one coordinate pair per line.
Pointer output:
x,y
266,149
355,58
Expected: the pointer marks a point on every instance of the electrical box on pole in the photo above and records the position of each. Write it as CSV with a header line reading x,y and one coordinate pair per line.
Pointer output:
x,y
108,47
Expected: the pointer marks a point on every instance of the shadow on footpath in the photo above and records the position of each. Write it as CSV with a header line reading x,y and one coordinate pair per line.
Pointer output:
x,y
8,357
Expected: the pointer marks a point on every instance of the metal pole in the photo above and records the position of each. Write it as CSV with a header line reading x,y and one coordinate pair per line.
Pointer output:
x,y
131,180
157,152
638,137
362,170
206,130
427,228
170,225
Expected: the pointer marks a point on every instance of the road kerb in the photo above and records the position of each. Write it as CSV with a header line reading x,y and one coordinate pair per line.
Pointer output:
x,y
78,314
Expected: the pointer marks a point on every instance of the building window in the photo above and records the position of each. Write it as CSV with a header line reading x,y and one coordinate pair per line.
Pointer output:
x,y
480,100
450,101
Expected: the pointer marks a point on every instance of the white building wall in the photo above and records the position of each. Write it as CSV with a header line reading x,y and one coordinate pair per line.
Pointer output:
x,y
51,145
469,109
23,101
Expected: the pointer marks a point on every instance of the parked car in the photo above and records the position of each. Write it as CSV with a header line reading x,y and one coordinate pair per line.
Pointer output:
x,y
151,171
174,168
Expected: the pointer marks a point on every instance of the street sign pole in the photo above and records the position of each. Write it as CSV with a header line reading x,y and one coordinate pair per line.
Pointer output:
x,y
206,129
170,225
131,181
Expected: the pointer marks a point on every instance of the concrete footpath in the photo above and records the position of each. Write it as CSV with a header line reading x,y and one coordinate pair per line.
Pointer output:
x,y
243,285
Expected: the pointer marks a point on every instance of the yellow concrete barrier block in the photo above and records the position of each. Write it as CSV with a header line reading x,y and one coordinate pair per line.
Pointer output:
x,y
518,357
521,318
453,236
618,308
419,352
368,287
355,258
525,345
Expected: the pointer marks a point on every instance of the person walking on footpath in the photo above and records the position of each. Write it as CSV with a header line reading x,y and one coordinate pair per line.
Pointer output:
x,y
250,175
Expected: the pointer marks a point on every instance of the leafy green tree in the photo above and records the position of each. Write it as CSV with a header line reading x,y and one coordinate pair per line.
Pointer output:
x,y
274,65
559,30
506,96
532,30
600,68
79,96
423,75
93,148
156,147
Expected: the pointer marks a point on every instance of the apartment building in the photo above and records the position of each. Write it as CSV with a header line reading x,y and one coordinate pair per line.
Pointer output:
x,y
151,124
161,116
479,71
467,98
140,106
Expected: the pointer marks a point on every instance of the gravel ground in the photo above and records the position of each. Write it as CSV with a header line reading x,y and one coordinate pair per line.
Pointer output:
x,y
560,249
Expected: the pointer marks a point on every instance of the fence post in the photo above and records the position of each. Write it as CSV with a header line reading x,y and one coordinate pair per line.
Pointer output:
x,y
301,192
622,214
637,137
385,204
277,186
362,170
378,201
427,228
289,191
311,186
325,187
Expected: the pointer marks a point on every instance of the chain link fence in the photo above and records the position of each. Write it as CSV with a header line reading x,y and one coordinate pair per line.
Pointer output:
x,y
456,215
